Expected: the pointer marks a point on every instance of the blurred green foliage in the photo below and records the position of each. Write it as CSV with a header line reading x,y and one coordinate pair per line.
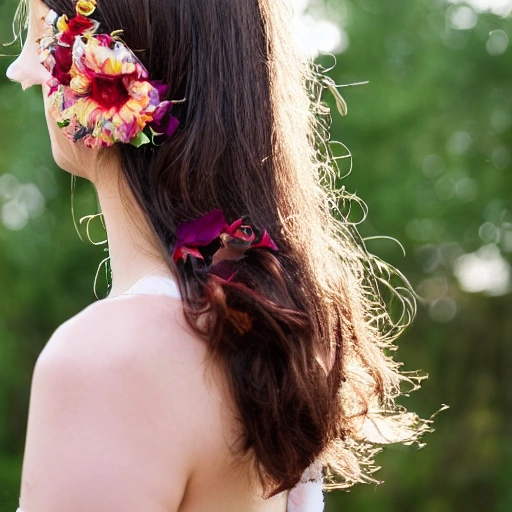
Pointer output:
x,y
430,137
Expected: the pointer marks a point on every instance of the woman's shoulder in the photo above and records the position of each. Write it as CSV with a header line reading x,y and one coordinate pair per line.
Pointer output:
x,y
142,339
148,327
146,339
141,343
127,378
110,382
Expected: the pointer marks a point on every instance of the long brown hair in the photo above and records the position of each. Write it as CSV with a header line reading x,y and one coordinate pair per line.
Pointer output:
x,y
303,334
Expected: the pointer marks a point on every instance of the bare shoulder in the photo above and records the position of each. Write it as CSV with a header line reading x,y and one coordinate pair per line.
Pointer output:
x,y
119,402
144,345
140,343
146,325
111,397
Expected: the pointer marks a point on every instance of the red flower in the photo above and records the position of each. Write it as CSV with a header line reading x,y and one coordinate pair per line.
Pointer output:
x,y
193,239
63,57
63,78
109,92
105,40
76,27
63,62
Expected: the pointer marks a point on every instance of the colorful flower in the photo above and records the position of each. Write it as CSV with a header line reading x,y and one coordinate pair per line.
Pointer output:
x,y
100,92
86,7
213,242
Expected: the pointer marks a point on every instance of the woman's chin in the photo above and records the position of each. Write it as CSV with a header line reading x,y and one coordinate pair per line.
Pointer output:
x,y
61,159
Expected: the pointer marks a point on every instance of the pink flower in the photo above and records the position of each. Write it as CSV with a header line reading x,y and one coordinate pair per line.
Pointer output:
x,y
211,240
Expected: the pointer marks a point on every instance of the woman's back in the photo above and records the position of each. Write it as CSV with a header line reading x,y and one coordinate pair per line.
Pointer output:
x,y
133,400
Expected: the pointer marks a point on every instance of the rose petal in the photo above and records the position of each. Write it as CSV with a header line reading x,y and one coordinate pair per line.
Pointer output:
x,y
184,252
172,126
160,87
202,231
63,57
231,229
266,241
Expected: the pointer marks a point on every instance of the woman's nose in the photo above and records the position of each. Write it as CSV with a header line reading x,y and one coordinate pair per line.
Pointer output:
x,y
14,74
27,71
17,73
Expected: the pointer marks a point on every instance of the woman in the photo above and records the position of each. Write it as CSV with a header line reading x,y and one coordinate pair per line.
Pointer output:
x,y
241,349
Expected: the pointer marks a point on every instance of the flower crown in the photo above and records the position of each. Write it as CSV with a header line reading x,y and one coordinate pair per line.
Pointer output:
x,y
100,92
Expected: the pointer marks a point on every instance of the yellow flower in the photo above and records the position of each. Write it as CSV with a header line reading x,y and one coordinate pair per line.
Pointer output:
x,y
80,84
62,23
112,67
85,7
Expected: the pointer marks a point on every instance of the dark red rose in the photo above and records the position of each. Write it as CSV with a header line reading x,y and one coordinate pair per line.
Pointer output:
x,y
109,92
79,24
63,57
61,76
76,27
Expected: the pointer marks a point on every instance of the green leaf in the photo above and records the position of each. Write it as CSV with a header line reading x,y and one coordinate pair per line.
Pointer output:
x,y
140,140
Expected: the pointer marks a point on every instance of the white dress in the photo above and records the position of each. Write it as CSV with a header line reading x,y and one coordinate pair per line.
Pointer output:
x,y
307,495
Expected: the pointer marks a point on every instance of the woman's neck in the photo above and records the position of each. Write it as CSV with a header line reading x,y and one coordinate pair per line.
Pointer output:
x,y
133,247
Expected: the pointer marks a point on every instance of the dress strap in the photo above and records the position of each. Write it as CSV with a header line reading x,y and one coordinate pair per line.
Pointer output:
x,y
154,285
307,495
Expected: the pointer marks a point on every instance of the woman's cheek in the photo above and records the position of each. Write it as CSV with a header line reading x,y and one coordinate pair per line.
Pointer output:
x,y
62,151
69,156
